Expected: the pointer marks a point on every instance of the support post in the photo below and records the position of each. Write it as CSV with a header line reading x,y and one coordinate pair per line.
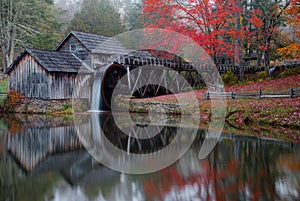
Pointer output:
x,y
259,93
207,95
292,92
232,95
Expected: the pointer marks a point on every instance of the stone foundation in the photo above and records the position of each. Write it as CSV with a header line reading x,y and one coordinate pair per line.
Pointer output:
x,y
39,106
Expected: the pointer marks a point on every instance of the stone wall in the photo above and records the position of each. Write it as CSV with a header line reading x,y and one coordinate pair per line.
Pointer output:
x,y
38,106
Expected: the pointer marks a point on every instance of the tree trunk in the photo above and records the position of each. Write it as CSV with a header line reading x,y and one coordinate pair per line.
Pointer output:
x,y
269,27
238,48
266,60
9,16
266,55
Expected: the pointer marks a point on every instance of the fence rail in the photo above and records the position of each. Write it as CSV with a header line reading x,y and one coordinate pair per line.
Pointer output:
x,y
223,68
292,93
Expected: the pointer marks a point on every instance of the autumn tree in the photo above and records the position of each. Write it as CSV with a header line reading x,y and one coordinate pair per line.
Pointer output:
x,y
97,17
211,23
292,50
271,16
25,23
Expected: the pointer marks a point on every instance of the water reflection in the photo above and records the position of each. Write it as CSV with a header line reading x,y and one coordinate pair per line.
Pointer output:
x,y
32,139
43,159
140,149
239,169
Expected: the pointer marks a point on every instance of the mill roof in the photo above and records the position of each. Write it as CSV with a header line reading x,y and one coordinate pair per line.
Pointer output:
x,y
97,43
54,61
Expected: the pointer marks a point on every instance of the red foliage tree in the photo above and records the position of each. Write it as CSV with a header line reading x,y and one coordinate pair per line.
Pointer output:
x,y
211,23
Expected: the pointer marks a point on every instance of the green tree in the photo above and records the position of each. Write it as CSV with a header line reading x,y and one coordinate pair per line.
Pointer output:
x,y
48,29
97,17
26,23
134,16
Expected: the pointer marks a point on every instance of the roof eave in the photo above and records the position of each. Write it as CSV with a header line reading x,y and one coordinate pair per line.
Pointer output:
x,y
26,51
73,72
66,38
11,66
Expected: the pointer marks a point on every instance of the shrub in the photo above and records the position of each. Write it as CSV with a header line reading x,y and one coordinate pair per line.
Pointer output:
x,y
263,75
12,100
66,106
229,79
66,109
2,101
289,72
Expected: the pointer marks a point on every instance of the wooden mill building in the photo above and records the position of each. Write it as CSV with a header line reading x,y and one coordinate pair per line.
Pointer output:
x,y
45,74
78,58
52,74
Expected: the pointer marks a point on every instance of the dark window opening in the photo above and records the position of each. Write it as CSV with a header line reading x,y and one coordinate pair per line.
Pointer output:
x,y
73,48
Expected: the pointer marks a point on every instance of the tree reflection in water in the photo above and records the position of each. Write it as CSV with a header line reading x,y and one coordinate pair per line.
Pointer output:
x,y
239,168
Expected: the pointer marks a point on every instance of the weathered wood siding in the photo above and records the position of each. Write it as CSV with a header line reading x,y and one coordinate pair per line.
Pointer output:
x,y
67,86
61,85
81,51
33,145
29,79
99,59
84,86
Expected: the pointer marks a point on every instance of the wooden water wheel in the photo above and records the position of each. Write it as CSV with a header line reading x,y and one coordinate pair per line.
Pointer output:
x,y
111,74
110,77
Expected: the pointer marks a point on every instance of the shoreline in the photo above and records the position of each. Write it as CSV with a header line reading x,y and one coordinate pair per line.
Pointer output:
x,y
274,122
283,113
277,112
281,133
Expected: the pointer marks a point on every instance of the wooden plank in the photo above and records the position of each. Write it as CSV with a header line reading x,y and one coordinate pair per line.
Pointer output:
x,y
296,94
246,93
246,97
275,93
275,96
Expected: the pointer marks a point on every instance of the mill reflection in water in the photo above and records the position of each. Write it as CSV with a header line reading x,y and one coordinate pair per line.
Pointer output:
x,y
44,159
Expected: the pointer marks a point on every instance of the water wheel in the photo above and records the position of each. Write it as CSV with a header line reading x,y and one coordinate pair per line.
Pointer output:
x,y
110,77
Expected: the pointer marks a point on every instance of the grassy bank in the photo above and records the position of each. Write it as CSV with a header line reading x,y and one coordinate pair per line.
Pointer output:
x,y
241,113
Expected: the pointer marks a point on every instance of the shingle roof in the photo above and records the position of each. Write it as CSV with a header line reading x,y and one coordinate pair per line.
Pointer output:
x,y
97,44
53,61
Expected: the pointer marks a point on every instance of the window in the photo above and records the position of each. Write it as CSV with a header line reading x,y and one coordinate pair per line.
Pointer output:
x,y
73,48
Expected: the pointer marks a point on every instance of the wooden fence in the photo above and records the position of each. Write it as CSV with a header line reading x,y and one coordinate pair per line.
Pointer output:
x,y
292,93
223,68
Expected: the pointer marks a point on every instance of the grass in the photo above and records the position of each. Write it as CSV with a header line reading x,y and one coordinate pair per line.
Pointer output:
x,y
4,85
3,90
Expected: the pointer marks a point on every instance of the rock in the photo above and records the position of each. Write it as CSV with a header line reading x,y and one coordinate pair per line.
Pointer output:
x,y
38,106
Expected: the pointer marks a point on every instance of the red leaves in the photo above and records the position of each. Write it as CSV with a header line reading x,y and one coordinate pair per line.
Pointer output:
x,y
282,84
293,17
255,18
211,23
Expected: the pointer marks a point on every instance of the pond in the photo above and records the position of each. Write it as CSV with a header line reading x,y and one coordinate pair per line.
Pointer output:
x,y
43,158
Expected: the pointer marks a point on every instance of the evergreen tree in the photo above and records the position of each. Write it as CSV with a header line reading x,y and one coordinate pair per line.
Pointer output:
x,y
25,23
134,17
48,29
97,17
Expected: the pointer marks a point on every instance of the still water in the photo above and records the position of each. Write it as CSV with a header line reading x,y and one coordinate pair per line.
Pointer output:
x,y
44,158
